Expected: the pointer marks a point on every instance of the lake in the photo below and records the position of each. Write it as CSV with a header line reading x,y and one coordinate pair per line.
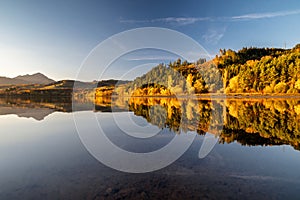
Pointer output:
x,y
250,148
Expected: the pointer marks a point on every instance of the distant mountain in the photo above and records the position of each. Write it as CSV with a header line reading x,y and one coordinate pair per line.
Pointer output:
x,y
11,81
37,78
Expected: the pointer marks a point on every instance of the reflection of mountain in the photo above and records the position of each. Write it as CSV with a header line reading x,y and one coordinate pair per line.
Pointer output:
x,y
38,114
40,107
34,108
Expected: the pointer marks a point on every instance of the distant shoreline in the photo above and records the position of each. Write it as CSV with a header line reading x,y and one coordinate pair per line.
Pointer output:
x,y
217,96
206,96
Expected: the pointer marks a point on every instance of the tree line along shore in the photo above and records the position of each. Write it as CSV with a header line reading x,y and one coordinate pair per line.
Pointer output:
x,y
249,72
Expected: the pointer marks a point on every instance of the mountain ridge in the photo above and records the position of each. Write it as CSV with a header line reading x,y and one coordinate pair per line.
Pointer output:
x,y
36,78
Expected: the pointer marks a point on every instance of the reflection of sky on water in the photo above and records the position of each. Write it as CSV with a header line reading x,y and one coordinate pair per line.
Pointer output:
x,y
44,157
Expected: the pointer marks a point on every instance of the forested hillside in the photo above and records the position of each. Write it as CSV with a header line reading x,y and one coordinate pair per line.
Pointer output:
x,y
264,70
249,70
177,78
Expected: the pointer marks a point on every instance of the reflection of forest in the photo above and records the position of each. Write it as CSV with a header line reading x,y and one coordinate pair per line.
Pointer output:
x,y
264,122
40,107
178,114
249,122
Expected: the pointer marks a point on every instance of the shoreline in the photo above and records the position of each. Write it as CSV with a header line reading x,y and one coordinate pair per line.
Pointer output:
x,y
192,96
215,96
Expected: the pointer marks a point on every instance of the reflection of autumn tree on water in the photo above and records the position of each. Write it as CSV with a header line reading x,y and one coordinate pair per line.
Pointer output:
x,y
177,114
251,122
267,122
164,113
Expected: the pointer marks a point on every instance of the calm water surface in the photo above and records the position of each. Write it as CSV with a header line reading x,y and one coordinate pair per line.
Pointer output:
x,y
257,154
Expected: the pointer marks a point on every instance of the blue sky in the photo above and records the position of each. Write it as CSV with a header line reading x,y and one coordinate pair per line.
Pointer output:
x,y
54,37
